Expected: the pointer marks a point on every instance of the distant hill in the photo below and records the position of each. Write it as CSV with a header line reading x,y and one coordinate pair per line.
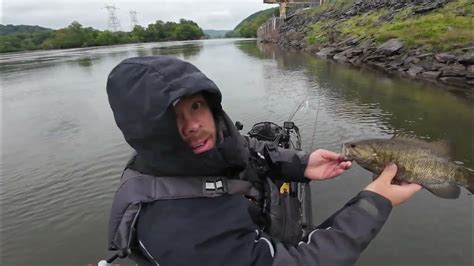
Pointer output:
x,y
215,34
248,27
13,29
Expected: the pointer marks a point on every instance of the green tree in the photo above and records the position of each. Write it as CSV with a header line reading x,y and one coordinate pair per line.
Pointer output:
x,y
138,34
187,32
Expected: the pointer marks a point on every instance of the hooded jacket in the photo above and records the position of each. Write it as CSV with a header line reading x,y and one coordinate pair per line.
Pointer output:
x,y
214,230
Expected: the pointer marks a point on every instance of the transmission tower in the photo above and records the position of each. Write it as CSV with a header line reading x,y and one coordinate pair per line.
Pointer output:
x,y
114,23
133,17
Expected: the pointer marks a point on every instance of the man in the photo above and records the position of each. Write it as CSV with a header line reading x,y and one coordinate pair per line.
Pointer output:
x,y
186,196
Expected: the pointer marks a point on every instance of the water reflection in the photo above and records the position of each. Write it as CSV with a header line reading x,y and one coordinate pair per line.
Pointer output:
x,y
85,61
185,51
249,48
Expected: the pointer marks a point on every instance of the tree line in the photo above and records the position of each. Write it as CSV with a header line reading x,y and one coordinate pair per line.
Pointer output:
x,y
75,35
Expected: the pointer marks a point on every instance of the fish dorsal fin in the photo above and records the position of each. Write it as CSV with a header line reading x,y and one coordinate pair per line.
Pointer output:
x,y
442,148
409,138
439,147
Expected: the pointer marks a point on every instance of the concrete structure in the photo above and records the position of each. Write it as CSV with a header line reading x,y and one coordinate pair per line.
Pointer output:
x,y
269,32
285,4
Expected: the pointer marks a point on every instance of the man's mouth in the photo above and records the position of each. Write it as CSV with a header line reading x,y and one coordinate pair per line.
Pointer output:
x,y
201,146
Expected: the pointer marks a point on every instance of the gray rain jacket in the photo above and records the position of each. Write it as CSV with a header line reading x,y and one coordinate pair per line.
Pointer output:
x,y
216,229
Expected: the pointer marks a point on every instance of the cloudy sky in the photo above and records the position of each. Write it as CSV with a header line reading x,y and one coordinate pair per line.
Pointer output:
x,y
209,14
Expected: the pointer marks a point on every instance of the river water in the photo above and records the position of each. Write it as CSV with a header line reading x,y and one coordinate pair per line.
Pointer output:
x,y
62,153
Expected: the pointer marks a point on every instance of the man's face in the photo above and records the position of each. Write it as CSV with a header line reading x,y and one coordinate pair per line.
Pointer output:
x,y
196,123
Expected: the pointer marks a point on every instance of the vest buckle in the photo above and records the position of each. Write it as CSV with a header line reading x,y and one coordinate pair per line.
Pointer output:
x,y
215,186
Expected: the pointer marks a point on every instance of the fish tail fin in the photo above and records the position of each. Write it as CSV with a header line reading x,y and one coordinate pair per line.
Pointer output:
x,y
470,181
470,187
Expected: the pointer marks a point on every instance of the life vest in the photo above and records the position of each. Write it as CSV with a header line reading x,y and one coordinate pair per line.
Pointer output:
x,y
278,213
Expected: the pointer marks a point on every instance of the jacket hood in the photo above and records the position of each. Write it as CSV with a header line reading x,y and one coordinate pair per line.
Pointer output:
x,y
141,92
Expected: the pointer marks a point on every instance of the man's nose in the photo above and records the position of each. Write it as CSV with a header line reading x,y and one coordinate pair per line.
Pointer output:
x,y
191,126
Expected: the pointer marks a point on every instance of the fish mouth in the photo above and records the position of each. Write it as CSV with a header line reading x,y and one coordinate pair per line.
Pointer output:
x,y
346,153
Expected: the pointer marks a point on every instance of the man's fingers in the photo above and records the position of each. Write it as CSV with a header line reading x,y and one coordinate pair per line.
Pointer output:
x,y
389,172
345,165
329,155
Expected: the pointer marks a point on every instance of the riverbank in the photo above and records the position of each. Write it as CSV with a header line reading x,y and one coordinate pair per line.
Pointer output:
x,y
429,40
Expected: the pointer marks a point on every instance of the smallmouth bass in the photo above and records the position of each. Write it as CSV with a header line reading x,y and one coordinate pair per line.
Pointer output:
x,y
425,163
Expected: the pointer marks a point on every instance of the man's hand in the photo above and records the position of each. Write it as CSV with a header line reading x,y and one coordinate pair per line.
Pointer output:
x,y
324,164
396,193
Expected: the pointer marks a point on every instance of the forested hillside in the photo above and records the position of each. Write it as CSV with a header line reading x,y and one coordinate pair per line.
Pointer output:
x,y
13,29
248,27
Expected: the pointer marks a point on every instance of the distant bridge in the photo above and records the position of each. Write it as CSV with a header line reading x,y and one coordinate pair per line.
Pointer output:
x,y
268,32
285,4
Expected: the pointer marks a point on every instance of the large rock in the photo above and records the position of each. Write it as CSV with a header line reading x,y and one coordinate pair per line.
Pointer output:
x,y
340,57
394,65
428,7
470,69
356,60
326,52
348,42
351,52
376,57
420,54
466,59
456,81
378,65
430,74
312,49
390,47
295,43
355,52
430,64
468,48
414,70
445,58
454,70
411,60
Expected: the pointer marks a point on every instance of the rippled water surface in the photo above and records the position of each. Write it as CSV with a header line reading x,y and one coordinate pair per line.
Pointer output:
x,y
62,154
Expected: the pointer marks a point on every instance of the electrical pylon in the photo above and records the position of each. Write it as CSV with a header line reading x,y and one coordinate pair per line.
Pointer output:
x,y
133,17
114,23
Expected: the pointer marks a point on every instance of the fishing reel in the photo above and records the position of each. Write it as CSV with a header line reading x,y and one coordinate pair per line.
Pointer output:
x,y
280,135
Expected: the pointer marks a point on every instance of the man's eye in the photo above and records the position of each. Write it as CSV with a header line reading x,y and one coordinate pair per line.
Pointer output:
x,y
196,105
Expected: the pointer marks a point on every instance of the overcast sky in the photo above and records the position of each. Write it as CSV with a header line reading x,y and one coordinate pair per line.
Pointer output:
x,y
209,14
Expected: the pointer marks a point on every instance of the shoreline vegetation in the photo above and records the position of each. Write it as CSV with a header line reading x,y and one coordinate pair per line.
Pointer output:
x,y
28,38
429,40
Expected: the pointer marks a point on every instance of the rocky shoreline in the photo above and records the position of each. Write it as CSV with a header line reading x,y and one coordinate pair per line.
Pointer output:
x,y
454,68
